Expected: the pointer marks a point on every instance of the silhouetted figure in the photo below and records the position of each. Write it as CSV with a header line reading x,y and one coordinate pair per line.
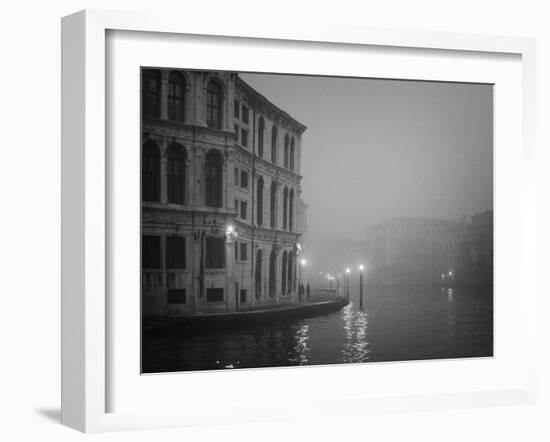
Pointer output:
x,y
308,290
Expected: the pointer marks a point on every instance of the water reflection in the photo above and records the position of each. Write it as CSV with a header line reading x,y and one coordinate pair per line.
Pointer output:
x,y
450,295
451,317
301,349
356,345
396,323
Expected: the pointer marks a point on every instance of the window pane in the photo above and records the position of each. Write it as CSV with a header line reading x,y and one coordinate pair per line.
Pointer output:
x,y
175,252
175,175
151,92
215,253
213,105
244,254
244,137
244,179
214,295
150,252
150,172
177,296
213,171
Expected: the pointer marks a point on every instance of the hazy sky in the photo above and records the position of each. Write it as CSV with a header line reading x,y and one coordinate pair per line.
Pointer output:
x,y
375,149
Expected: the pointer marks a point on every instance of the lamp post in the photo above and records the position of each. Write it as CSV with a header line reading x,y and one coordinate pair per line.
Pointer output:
x,y
301,290
303,263
348,271
231,234
361,268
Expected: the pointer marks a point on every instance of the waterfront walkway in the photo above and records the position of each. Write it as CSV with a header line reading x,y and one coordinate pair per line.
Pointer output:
x,y
319,302
316,297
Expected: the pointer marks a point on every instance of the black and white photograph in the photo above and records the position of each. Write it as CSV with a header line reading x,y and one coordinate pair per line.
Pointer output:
x,y
296,220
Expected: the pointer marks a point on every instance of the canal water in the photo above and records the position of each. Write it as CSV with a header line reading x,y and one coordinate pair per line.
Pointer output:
x,y
395,324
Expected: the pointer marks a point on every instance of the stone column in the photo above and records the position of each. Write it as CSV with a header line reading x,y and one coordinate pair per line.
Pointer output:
x,y
231,296
197,198
163,301
163,178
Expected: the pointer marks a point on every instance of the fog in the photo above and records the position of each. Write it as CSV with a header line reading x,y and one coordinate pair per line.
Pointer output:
x,y
375,149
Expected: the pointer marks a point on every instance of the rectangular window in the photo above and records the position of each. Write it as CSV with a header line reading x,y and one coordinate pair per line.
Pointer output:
x,y
215,253
243,210
236,179
245,114
244,137
237,108
214,295
244,250
242,296
244,179
237,206
237,132
175,252
150,252
177,296
236,251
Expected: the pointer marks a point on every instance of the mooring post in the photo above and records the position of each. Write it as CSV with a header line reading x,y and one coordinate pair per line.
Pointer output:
x,y
361,290
361,267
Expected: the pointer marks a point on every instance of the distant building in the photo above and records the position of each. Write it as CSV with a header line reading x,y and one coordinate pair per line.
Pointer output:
x,y
477,250
222,211
417,250
410,250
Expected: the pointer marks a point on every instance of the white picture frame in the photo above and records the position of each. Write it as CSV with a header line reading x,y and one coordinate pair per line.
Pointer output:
x,y
86,317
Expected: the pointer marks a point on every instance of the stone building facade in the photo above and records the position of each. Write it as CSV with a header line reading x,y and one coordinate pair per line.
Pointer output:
x,y
221,195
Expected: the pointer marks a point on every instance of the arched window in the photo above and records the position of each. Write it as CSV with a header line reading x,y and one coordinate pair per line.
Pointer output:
x,y
214,98
261,127
274,144
213,175
273,206
150,85
260,202
176,96
258,274
290,274
284,268
291,210
175,174
292,153
150,172
285,208
286,151
272,273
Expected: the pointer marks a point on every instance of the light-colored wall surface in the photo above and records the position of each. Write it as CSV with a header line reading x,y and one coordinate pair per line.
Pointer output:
x,y
30,183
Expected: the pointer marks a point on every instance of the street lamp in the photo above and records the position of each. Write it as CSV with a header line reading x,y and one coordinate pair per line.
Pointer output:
x,y
361,268
303,263
230,232
330,279
348,271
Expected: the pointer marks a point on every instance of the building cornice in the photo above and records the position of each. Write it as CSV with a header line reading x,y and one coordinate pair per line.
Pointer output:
x,y
261,102
280,169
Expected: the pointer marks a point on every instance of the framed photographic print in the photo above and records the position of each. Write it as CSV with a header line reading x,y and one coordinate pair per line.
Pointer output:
x,y
270,223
